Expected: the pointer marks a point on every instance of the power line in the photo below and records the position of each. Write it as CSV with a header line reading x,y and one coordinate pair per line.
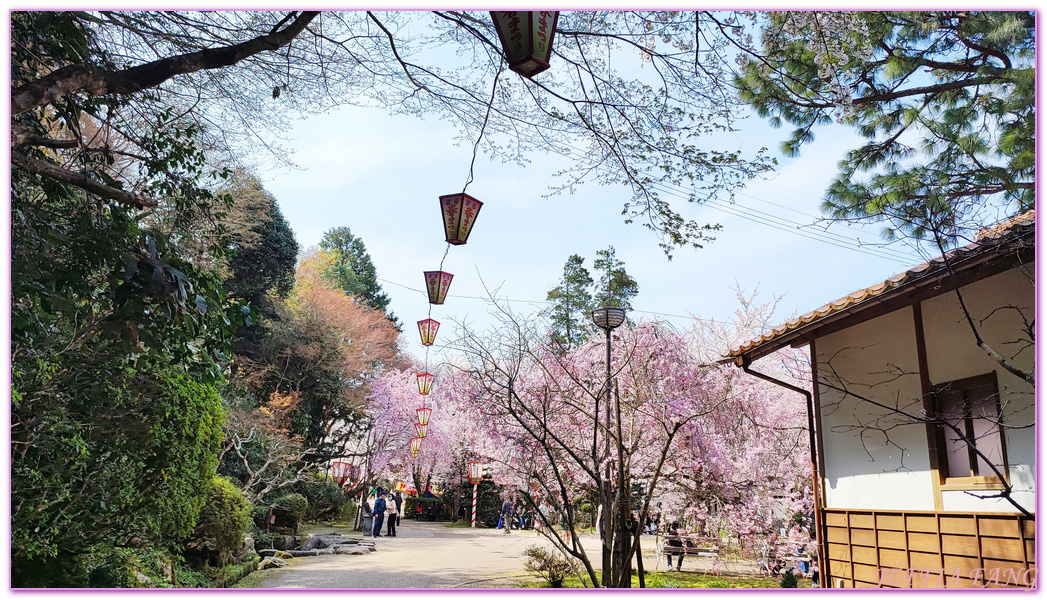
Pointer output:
x,y
794,227
534,302
769,220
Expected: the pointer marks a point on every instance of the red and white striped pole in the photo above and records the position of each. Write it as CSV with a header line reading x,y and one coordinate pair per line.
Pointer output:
x,y
475,486
476,474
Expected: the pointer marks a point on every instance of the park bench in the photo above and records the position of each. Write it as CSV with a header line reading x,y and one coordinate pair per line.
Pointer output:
x,y
693,545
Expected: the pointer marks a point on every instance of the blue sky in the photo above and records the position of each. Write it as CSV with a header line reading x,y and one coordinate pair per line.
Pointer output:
x,y
381,176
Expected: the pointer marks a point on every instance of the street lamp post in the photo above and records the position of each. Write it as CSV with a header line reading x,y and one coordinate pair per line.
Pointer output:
x,y
607,318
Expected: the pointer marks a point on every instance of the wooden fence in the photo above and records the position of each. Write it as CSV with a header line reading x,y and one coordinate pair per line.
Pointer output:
x,y
888,549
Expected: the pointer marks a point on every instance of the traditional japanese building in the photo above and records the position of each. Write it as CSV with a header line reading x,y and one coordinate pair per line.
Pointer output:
x,y
923,408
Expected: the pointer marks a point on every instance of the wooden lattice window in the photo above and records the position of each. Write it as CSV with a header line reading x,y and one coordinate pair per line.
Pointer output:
x,y
974,444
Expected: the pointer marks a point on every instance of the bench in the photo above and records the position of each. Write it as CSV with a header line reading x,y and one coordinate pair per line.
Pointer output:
x,y
692,546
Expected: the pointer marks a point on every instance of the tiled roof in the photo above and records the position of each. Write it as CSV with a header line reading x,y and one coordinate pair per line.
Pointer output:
x,y
987,238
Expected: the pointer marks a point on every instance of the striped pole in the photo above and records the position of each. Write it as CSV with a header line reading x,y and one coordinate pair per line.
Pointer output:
x,y
474,505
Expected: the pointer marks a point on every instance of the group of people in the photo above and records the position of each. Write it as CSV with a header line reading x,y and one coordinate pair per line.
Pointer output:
x,y
387,510
653,519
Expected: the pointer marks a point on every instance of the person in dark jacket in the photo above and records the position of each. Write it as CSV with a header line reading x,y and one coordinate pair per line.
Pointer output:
x,y
675,546
398,498
379,513
507,514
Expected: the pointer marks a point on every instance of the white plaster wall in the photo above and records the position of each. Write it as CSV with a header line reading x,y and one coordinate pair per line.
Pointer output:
x,y
953,354
874,458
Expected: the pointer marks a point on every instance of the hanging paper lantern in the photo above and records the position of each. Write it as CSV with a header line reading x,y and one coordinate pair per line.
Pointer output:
x,y
476,472
340,472
459,212
423,430
437,283
527,38
425,383
416,445
427,330
423,415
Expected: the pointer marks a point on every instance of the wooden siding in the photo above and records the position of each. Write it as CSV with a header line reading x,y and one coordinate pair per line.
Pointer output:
x,y
867,548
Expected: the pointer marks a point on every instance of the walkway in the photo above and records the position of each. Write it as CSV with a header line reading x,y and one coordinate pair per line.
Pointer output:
x,y
428,555
422,555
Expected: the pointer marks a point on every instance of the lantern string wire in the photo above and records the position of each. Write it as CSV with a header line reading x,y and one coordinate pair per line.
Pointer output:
x,y
468,180
483,127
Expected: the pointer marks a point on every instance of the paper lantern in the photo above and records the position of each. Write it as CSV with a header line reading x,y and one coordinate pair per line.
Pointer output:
x,y
416,446
437,283
476,472
423,430
423,415
425,383
427,330
459,212
340,472
527,38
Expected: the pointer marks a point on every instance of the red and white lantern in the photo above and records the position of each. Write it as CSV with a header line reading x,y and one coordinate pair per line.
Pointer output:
x,y
437,283
476,472
427,330
340,472
422,430
459,212
425,383
416,446
423,415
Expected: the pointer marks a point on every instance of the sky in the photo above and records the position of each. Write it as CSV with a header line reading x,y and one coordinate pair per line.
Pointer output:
x,y
381,176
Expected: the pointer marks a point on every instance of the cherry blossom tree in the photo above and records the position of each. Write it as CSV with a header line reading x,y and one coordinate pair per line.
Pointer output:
x,y
723,440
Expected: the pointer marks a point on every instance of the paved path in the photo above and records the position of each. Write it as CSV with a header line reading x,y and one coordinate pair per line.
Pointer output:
x,y
428,555
422,555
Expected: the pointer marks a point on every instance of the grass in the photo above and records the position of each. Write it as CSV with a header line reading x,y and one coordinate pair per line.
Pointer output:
x,y
676,579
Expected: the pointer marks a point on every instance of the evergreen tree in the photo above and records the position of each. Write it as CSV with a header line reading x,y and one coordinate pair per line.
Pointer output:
x,y
615,287
946,100
353,272
264,247
572,303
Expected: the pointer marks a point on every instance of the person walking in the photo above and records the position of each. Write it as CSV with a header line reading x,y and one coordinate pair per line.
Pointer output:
x,y
391,514
507,514
379,513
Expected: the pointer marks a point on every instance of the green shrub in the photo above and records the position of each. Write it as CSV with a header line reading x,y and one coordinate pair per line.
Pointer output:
x,y
129,568
230,574
326,499
85,480
210,577
550,565
190,578
427,504
789,579
224,519
291,509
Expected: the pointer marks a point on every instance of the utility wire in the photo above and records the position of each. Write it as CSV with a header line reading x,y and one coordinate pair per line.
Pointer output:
x,y
762,218
755,216
535,302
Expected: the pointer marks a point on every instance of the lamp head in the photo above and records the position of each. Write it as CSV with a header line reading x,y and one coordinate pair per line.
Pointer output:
x,y
608,317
